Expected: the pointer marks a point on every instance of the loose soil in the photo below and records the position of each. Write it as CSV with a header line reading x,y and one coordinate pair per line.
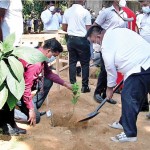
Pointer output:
x,y
63,132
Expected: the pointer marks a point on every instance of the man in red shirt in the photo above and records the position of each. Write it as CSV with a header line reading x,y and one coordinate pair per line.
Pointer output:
x,y
28,104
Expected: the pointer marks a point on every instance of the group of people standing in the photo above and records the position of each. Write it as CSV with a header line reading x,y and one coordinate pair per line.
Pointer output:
x,y
121,50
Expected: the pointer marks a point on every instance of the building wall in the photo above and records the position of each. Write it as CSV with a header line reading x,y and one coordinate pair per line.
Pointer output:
x,y
96,5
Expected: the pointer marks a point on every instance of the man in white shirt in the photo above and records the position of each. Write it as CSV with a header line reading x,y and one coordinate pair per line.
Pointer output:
x,y
145,22
50,18
13,14
76,21
109,18
131,57
11,21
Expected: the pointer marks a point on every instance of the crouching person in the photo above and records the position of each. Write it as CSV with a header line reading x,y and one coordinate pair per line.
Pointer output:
x,y
28,105
129,54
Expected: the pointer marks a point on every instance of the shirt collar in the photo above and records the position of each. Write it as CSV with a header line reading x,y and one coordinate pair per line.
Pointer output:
x,y
113,9
77,5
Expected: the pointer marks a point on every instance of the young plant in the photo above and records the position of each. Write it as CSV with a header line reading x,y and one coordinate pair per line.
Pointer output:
x,y
12,83
76,94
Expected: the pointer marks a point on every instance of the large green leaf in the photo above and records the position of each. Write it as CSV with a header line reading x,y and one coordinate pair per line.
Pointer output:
x,y
3,71
11,101
15,87
8,43
3,95
16,67
31,55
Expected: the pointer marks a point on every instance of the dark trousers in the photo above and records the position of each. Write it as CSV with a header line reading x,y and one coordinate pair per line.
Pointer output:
x,y
7,116
43,90
79,50
136,88
102,79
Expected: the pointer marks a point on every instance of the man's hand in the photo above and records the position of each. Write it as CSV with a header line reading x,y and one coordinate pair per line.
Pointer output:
x,y
68,85
32,117
109,92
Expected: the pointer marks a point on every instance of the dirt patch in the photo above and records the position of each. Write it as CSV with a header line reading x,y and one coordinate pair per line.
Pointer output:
x,y
68,134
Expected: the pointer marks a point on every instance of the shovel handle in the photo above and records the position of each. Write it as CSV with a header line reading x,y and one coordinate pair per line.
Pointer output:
x,y
105,100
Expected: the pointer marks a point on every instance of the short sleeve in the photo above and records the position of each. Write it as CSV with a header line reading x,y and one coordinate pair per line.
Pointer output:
x,y
46,16
65,18
4,4
88,18
101,18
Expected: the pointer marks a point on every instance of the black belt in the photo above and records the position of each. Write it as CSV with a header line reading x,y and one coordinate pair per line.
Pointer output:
x,y
72,36
143,72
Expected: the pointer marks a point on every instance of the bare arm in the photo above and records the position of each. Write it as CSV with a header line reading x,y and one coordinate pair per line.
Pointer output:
x,y
64,27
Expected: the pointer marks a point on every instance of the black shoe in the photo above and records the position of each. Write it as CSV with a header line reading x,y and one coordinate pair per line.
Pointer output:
x,y
111,101
98,98
42,113
85,89
19,130
8,130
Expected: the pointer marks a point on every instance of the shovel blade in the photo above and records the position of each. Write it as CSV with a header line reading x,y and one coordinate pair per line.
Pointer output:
x,y
90,116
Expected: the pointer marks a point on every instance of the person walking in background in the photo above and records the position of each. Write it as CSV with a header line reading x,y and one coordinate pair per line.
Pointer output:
x,y
76,22
50,18
10,12
109,18
29,24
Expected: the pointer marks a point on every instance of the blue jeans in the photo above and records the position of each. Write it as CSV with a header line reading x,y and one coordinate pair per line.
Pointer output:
x,y
136,87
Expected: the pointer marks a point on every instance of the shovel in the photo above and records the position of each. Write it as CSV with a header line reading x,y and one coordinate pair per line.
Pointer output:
x,y
95,113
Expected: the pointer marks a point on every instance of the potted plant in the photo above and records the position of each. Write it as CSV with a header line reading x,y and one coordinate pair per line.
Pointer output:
x,y
12,83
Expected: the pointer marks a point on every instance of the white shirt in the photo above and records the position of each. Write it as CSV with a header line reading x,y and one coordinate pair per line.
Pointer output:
x,y
77,18
51,22
109,19
139,19
126,53
145,27
13,20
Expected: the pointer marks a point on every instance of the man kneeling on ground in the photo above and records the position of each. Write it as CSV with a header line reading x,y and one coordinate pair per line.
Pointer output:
x,y
28,105
128,53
